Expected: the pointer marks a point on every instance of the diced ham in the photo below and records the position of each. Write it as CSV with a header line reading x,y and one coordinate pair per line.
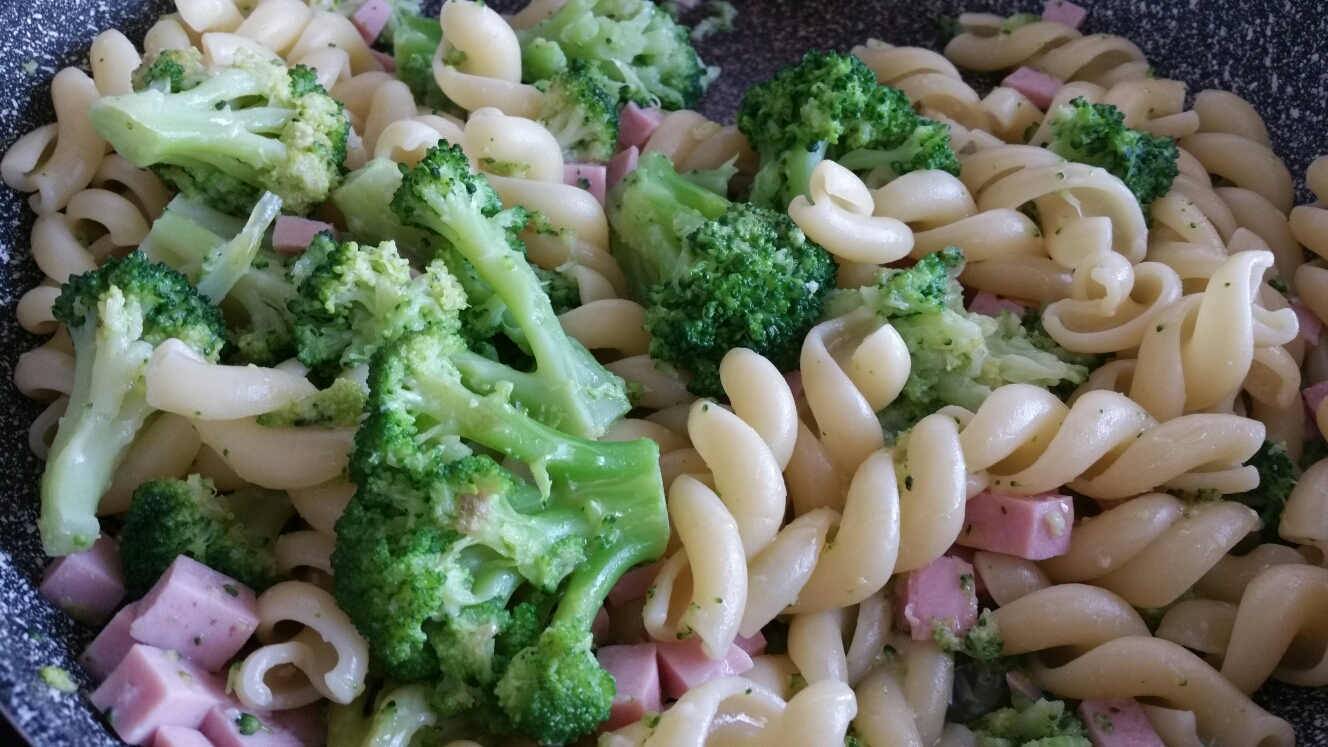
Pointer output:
x,y
1036,85
753,645
599,629
205,615
623,163
683,665
1118,723
1314,396
179,736
967,555
88,585
388,62
636,125
306,723
229,726
633,584
292,234
111,644
1060,11
588,176
626,624
1034,527
635,671
940,593
1311,329
371,18
152,688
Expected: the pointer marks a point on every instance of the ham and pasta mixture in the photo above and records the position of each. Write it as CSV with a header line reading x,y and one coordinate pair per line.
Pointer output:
x,y
422,379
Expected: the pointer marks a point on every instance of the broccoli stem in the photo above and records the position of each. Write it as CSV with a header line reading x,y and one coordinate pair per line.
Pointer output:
x,y
231,261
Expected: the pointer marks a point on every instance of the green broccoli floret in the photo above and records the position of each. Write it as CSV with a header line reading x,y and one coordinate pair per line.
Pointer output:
x,y
982,641
1046,723
436,546
714,275
234,534
581,112
829,105
259,321
415,39
1096,134
170,71
561,287
568,387
1278,475
631,42
340,405
116,316
353,298
244,130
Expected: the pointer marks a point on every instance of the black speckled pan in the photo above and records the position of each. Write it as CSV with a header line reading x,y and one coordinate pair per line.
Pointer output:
x,y
1272,53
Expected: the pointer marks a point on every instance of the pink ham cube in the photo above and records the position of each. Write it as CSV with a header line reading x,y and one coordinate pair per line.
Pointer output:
x,y
635,671
993,305
291,235
1036,85
622,164
1311,329
110,645
753,645
388,62
1060,11
229,726
636,125
940,593
152,688
1034,527
88,585
179,736
1118,723
307,724
205,615
633,584
371,18
683,665
588,176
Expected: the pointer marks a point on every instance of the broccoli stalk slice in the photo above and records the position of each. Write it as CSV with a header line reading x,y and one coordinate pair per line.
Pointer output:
x,y
225,265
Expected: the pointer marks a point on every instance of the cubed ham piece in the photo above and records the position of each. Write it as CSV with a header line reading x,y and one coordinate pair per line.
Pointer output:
x,y
940,593
1118,723
1311,329
753,645
388,62
599,628
623,163
633,584
227,725
111,644
152,688
371,18
626,624
205,615
306,723
1035,527
292,235
1036,85
636,125
684,665
588,176
635,671
1060,11
179,736
1314,396
88,585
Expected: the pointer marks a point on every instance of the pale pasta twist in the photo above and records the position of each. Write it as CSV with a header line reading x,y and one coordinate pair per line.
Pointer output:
x,y
58,160
479,62
838,216
693,142
1053,48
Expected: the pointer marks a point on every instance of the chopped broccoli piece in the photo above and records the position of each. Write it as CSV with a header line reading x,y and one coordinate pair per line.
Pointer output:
x,y
927,147
414,41
1017,21
248,724
1277,478
1048,723
243,130
714,275
561,287
170,71
1096,134
580,108
57,679
116,315
234,534
981,642
340,405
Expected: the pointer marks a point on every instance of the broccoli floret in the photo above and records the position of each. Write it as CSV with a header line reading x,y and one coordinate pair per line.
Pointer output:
x,y
353,298
568,388
170,71
259,321
243,130
1096,134
562,288
981,642
631,42
829,105
116,316
1277,478
340,405
234,534
1043,722
714,275
581,112
415,38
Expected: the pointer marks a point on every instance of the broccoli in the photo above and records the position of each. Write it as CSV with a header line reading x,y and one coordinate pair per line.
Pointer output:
x,y
443,557
568,388
260,323
714,275
116,315
415,38
234,534
1042,722
340,405
958,357
170,71
720,18
1278,474
582,113
561,287
830,105
243,130
1096,134
981,642
631,42
352,298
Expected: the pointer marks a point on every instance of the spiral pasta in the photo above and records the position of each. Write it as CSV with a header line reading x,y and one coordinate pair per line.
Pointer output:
x,y
479,62
1054,48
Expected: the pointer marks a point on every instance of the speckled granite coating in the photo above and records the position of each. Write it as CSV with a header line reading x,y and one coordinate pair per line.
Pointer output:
x,y
1273,53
